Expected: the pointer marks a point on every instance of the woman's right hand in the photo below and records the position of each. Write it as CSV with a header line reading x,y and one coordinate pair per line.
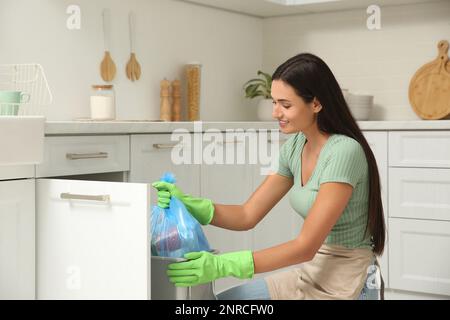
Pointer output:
x,y
201,209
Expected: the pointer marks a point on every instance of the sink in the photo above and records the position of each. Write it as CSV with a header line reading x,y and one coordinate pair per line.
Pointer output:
x,y
21,140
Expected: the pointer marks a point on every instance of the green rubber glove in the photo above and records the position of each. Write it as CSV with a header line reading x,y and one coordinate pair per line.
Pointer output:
x,y
201,209
204,267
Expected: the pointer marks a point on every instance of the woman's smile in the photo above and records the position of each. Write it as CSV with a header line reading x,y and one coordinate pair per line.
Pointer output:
x,y
283,123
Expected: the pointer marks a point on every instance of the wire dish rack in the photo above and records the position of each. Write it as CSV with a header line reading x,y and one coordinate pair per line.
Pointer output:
x,y
24,90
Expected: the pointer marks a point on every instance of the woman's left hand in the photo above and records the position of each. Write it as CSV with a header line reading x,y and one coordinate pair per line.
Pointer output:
x,y
204,267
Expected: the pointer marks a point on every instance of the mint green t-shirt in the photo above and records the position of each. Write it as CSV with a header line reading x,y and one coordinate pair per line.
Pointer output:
x,y
342,159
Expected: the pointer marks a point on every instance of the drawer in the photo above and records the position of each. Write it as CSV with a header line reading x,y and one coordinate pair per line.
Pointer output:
x,y
419,149
419,257
419,193
84,155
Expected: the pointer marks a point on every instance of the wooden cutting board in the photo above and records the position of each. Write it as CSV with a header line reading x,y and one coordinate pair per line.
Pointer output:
x,y
429,89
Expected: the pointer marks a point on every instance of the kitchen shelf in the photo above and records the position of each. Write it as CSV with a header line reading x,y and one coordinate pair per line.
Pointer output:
x,y
266,9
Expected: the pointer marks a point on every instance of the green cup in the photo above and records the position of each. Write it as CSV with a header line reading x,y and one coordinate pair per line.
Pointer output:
x,y
10,101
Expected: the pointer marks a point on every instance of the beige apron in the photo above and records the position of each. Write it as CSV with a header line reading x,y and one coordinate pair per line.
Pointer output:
x,y
335,272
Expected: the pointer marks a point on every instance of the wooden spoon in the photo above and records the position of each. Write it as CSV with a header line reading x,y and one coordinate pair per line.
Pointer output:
x,y
107,67
133,68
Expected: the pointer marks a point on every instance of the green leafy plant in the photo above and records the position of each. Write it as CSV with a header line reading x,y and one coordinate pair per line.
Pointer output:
x,y
259,86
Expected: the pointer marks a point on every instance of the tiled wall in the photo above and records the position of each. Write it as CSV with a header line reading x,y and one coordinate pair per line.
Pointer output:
x,y
230,46
381,62
169,34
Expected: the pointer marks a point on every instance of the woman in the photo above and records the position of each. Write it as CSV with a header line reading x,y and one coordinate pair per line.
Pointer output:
x,y
332,176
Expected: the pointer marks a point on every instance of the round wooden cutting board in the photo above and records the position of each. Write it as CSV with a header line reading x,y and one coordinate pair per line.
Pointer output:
x,y
429,89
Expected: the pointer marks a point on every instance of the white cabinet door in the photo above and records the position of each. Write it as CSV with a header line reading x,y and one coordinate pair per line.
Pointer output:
x,y
227,183
151,156
426,149
282,223
419,255
93,240
419,193
378,142
17,240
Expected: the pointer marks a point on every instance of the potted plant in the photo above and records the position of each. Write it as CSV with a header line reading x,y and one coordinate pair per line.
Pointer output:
x,y
260,87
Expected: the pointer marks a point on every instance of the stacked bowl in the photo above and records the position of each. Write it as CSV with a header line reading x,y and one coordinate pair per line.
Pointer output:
x,y
360,104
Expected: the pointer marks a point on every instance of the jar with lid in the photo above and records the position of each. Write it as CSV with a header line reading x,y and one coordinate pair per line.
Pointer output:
x,y
103,102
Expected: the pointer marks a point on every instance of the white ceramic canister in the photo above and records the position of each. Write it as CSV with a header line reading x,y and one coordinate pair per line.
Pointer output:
x,y
103,102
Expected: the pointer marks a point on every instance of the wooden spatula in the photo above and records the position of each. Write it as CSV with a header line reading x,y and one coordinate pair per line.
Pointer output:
x,y
107,67
133,68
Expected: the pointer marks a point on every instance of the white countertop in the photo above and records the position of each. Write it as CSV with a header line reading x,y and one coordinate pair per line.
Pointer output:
x,y
128,127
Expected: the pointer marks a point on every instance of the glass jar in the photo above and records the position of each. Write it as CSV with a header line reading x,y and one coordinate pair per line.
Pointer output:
x,y
103,102
193,77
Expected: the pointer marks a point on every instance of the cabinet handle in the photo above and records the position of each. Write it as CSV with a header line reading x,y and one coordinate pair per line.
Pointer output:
x,y
164,145
79,156
70,196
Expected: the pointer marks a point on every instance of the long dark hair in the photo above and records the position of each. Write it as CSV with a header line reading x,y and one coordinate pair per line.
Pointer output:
x,y
312,78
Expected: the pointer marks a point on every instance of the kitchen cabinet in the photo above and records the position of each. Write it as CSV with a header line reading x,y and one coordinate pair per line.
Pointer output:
x,y
21,145
93,240
424,149
93,237
81,243
420,193
419,255
419,215
17,239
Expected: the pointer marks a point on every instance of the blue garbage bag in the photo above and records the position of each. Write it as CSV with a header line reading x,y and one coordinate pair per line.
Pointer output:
x,y
174,230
